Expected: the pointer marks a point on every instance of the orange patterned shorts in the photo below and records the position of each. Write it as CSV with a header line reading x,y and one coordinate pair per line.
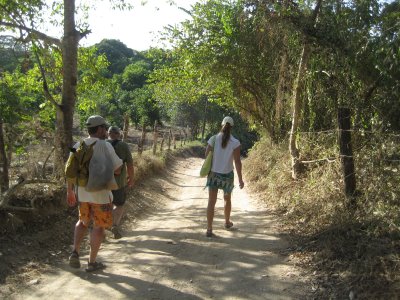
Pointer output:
x,y
100,214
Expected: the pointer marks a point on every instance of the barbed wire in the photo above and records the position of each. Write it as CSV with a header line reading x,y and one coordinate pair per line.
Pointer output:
x,y
366,144
349,130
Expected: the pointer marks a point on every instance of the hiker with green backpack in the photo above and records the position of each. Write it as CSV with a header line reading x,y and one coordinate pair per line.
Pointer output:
x,y
124,179
90,173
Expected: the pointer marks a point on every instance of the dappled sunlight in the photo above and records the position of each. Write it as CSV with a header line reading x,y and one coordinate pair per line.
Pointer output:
x,y
166,255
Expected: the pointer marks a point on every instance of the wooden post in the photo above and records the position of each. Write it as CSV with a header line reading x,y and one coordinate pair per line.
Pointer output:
x,y
186,132
155,136
142,139
346,153
181,137
169,139
162,143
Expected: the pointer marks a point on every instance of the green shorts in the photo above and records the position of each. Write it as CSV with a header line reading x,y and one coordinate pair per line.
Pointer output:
x,y
221,181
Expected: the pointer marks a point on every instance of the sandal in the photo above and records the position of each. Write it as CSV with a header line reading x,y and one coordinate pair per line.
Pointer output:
x,y
74,260
228,225
210,234
116,232
95,266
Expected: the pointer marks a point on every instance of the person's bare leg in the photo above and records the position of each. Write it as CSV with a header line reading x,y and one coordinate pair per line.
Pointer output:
x,y
212,199
79,234
118,212
227,207
96,238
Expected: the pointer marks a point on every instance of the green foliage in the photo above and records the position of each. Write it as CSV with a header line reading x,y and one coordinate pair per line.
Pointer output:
x,y
21,12
12,54
146,108
230,52
135,75
128,90
93,87
17,100
118,54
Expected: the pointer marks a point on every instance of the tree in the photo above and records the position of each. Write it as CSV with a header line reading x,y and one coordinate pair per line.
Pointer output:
x,y
16,15
17,103
296,100
118,54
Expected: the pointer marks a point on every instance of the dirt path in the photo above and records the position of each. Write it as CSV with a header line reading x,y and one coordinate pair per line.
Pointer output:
x,y
167,256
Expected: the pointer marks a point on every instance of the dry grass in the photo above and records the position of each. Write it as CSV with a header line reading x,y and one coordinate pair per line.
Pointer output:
x,y
348,250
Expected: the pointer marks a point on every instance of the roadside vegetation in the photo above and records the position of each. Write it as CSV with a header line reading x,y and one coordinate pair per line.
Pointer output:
x,y
350,252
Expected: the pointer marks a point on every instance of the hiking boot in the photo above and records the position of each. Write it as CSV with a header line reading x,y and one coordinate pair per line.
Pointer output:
x,y
74,260
116,232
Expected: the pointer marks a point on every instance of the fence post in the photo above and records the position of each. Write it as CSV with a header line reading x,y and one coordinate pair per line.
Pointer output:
x,y
155,136
186,136
162,143
142,139
181,137
169,139
346,153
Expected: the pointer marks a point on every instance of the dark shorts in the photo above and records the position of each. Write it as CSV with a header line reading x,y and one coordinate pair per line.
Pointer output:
x,y
221,181
119,196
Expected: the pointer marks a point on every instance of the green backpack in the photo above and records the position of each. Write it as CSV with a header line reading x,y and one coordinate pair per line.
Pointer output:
x,y
77,166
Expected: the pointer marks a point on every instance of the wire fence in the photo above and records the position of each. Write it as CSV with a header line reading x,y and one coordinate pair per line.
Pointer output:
x,y
37,161
372,145
376,157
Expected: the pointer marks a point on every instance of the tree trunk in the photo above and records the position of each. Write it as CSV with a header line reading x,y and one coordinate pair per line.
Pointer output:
x,y
65,111
281,92
4,181
296,100
126,127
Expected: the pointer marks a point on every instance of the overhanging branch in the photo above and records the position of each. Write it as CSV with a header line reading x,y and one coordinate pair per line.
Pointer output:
x,y
32,32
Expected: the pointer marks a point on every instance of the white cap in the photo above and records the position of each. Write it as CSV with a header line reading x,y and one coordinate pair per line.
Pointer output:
x,y
227,120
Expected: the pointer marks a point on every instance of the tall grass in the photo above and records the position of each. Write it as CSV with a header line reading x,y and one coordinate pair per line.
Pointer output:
x,y
353,249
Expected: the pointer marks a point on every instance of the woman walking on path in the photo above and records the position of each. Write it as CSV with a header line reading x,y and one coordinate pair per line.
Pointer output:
x,y
226,149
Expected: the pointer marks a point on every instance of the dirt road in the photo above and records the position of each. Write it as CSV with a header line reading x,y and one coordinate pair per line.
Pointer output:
x,y
167,255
